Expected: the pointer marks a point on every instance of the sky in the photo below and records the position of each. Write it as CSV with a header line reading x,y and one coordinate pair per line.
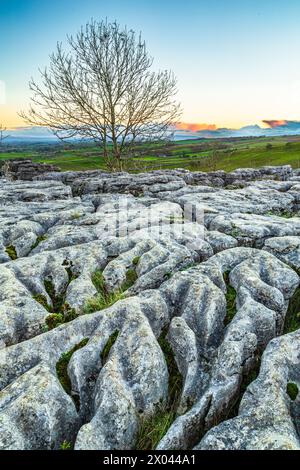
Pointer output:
x,y
237,61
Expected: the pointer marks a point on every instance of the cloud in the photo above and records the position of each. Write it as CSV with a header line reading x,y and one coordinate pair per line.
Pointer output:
x,y
195,127
273,123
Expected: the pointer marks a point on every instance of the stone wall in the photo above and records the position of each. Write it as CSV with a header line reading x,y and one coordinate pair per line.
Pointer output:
x,y
83,182
25,169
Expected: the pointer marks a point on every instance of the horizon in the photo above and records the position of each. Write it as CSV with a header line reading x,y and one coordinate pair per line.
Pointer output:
x,y
37,134
190,126
240,77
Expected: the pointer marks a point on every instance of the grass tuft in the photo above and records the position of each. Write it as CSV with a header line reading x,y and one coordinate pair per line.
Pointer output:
x,y
56,299
153,429
38,241
100,302
69,313
11,251
131,277
246,381
98,281
107,348
230,300
76,215
66,445
62,366
41,299
54,320
104,298
292,390
66,315
292,318
60,311
283,213
136,260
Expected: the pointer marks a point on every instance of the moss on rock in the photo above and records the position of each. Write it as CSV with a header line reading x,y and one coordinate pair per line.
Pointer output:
x,y
11,251
292,390
62,366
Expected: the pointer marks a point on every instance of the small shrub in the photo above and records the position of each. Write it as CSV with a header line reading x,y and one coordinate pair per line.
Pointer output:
x,y
283,213
286,214
66,315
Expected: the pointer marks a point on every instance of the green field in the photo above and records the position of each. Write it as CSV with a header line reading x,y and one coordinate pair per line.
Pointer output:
x,y
195,155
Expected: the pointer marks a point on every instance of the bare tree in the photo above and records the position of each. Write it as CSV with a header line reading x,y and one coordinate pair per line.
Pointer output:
x,y
3,136
102,88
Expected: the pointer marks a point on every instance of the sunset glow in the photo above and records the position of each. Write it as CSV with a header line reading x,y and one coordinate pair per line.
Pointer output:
x,y
186,126
273,123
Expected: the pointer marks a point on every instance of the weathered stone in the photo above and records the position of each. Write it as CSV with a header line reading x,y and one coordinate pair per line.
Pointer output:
x,y
268,417
287,249
25,169
206,261
35,413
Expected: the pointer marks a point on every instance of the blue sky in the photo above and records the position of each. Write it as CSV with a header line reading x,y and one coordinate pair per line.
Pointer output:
x,y
237,62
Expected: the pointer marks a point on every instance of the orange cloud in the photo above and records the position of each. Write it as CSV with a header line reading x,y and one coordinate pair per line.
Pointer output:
x,y
274,123
188,126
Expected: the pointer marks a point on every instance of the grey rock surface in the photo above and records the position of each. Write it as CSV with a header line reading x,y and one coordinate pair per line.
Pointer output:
x,y
112,285
35,412
268,418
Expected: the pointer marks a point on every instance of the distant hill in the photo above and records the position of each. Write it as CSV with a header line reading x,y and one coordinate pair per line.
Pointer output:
x,y
44,135
288,128
30,135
